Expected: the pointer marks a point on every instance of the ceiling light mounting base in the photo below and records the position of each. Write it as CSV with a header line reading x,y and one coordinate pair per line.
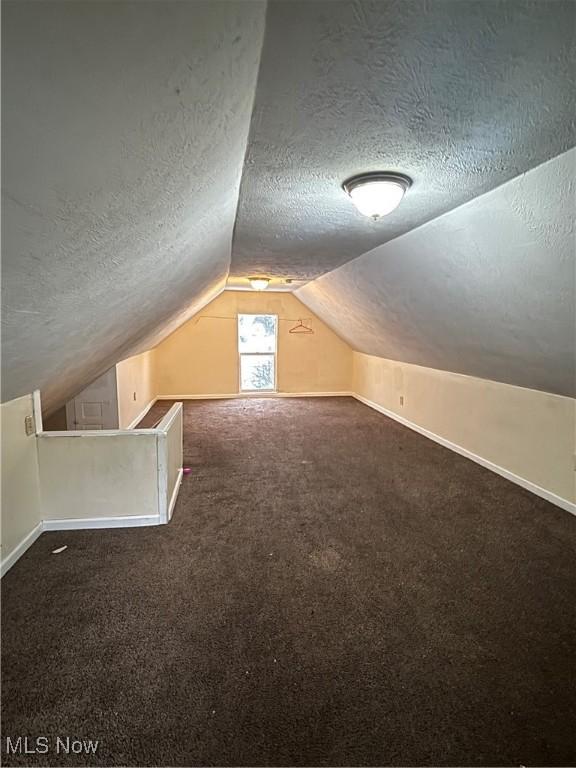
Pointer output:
x,y
364,178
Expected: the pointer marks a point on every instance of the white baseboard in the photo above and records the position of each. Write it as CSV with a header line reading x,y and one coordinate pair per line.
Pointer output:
x,y
19,550
141,415
529,486
78,523
175,493
244,395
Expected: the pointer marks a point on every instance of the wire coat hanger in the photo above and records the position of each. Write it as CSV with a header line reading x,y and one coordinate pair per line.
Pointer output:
x,y
300,328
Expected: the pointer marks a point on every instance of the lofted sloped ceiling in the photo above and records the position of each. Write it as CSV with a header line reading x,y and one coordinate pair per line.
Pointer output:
x,y
488,289
461,96
124,133
130,127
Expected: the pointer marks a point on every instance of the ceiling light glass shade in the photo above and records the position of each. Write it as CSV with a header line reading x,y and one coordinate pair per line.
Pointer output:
x,y
259,283
377,194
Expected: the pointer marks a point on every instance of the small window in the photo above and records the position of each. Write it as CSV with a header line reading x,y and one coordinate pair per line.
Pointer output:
x,y
257,352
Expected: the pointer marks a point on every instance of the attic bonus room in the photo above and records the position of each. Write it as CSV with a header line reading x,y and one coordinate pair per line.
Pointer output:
x,y
288,383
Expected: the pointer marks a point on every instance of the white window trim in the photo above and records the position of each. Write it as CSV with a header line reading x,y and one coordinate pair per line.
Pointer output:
x,y
241,354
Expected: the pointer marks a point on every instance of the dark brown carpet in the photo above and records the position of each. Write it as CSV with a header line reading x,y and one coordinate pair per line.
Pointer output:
x,y
334,589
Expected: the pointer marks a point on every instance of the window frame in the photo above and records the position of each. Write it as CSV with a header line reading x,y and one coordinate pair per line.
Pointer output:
x,y
257,392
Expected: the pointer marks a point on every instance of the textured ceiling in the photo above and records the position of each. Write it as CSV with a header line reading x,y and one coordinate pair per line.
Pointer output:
x,y
487,289
124,133
125,128
459,95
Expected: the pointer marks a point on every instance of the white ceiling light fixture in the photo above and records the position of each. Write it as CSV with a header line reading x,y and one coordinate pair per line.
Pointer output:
x,y
377,194
259,283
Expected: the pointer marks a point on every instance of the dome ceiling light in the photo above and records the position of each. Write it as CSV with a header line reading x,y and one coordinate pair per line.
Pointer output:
x,y
377,194
259,283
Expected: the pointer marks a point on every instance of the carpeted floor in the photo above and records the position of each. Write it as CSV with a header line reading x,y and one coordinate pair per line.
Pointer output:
x,y
333,589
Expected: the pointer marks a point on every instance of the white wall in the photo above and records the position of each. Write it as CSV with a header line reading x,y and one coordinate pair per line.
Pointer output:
x,y
524,431
110,478
87,479
170,456
20,493
87,475
100,395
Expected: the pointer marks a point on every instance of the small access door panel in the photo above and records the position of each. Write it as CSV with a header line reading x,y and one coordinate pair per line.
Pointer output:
x,y
96,407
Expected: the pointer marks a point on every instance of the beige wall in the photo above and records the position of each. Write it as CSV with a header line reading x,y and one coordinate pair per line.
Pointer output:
x,y
525,431
135,391
135,387
201,357
21,512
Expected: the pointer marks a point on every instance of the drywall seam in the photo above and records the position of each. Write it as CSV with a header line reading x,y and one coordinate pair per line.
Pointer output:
x,y
19,549
526,484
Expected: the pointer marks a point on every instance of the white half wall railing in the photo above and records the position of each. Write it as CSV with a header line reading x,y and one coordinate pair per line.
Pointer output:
x,y
104,479
111,478
170,456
